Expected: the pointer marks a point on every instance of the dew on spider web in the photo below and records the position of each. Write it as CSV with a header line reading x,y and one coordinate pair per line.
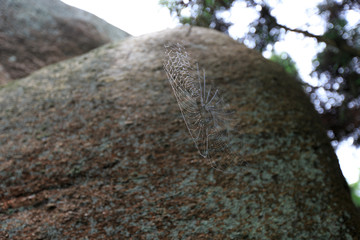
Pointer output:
x,y
202,108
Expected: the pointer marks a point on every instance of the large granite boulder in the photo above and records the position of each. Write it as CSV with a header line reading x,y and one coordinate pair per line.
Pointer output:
x,y
95,147
35,33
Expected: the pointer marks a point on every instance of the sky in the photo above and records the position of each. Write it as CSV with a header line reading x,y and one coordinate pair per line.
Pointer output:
x,y
139,17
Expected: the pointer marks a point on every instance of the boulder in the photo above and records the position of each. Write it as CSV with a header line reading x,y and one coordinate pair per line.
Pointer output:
x,y
95,147
36,33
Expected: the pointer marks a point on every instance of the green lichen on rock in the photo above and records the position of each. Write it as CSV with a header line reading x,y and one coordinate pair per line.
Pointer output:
x,y
103,150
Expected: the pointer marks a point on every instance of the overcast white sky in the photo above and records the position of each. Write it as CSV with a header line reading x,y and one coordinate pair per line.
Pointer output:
x,y
139,17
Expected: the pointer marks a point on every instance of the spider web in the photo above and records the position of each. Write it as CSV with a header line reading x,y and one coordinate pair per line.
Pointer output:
x,y
201,106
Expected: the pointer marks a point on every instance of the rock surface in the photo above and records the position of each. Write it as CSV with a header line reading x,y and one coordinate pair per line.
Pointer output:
x,y
95,147
35,33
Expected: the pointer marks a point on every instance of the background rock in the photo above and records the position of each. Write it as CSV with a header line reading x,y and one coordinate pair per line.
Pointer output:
x,y
4,76
36,33
96,147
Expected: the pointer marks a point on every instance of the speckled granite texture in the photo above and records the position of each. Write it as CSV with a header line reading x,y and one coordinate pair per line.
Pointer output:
x,y
95,148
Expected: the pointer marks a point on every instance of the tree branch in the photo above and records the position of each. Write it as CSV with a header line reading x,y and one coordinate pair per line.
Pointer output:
x,y
341,46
